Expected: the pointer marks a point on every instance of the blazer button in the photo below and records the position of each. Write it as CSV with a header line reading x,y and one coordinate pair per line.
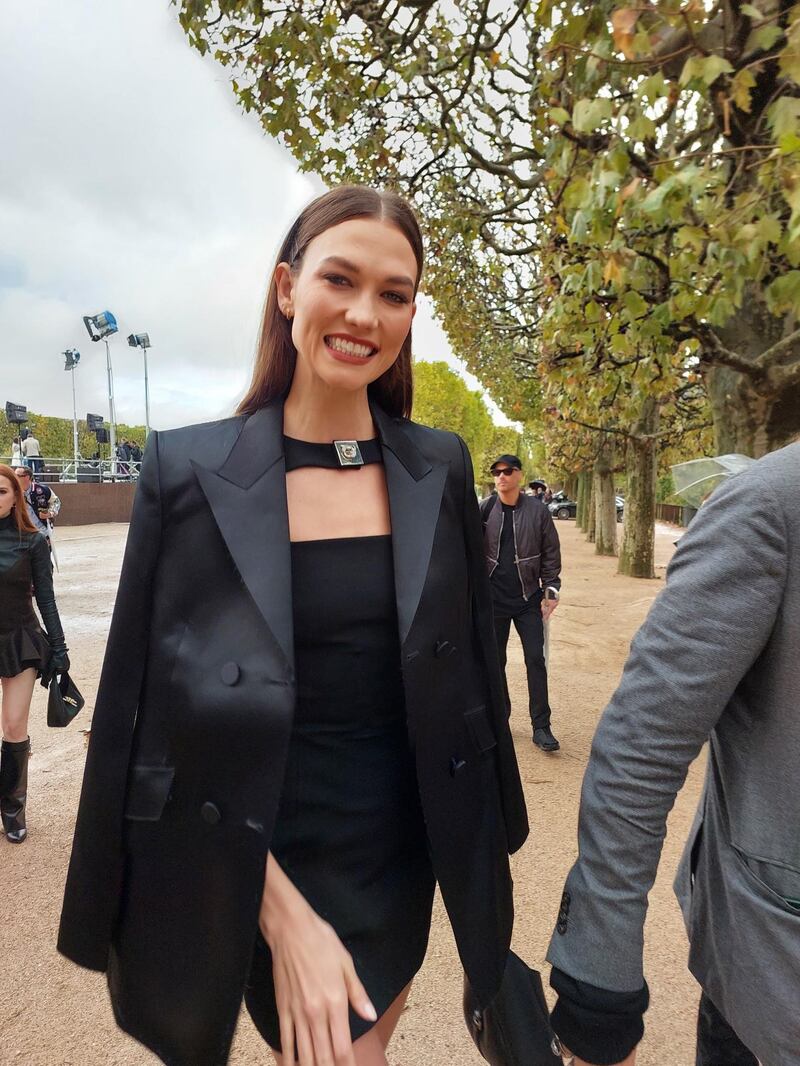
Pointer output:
x,y
456,765
209,812
230,673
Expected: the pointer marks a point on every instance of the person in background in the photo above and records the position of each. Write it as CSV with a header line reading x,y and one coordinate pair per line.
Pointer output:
x,y
16,452
716,660
26,652
538,489
523,556
124,455
32,453
43,504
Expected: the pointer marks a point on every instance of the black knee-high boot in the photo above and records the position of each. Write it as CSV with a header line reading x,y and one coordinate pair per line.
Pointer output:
x,y
14,788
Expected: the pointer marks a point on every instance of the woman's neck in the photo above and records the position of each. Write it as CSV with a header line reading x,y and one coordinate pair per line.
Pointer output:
x,y
316,412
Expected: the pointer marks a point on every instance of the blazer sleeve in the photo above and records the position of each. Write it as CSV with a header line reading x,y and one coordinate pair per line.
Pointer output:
x,y
42,573
550,568
92,893
513,798
706,629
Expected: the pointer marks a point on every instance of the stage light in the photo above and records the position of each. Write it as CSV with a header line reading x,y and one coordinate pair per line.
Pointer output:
x,y
101,325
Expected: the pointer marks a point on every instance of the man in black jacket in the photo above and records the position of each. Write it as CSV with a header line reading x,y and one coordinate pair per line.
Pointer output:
x,y
523,556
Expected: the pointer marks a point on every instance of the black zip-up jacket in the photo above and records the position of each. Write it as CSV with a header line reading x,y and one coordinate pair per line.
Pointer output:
x,y
537,550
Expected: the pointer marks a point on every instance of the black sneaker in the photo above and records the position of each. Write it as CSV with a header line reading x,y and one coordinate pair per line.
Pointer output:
x,y
545,740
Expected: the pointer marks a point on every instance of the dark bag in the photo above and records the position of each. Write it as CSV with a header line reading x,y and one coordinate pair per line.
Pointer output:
x,y
514,1030
64,701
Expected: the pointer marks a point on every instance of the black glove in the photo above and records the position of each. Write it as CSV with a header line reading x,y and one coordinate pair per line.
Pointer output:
x,y
58,663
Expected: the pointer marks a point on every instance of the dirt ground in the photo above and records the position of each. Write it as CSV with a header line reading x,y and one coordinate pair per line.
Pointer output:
x,y
52,1013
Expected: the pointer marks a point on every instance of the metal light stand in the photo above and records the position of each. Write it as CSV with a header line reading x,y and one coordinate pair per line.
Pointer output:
x,y
72,358
142,340
112,414
146,395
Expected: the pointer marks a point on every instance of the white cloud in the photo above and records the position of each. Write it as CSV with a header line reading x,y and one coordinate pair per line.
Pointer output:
x,y
130,181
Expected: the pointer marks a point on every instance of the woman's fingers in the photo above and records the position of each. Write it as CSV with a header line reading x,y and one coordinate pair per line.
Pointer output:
x,y
305,1045
287,1037
341,1040
356,993
321,1036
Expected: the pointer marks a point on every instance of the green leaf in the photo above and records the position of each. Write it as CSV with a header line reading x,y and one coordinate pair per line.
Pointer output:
x,y
741,87
784,293
790,56
784,116
705,68
587,115
769,228
559,115
641,128
762,39
789,143
751,12
652,88
654,201
691,236
634,303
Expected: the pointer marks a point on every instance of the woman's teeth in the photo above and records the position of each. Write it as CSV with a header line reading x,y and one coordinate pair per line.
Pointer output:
x,y
348,347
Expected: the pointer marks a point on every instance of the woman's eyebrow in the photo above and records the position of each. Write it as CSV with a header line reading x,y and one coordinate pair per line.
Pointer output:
x,y
345,264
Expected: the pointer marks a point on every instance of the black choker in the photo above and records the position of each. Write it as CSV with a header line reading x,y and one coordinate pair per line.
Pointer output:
x,y
338,455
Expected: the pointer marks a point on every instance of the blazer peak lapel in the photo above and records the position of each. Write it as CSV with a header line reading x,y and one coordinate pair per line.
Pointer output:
x,y
247,497
415,488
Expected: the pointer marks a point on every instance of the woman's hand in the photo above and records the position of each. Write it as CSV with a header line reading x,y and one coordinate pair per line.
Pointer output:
x,y
629,1061
314,977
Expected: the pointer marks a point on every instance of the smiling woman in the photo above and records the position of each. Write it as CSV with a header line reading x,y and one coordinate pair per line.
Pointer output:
x,y
301,725
355,260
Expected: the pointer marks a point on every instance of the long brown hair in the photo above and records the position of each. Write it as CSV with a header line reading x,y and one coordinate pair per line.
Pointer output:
x,y
20,509
276,354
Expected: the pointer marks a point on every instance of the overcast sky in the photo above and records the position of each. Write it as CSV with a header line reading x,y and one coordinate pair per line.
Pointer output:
x,y
130,181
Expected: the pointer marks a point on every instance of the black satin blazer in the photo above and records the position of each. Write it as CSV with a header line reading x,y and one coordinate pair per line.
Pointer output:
x,y
194,713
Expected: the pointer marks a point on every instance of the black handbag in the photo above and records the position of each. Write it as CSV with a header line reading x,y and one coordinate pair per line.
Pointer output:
x,y
514,1030
63,701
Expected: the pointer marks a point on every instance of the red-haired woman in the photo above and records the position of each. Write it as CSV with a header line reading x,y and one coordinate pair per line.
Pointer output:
x,y
301,725
25,651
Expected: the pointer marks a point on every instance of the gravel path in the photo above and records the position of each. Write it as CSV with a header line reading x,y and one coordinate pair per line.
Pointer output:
x,y
52,1013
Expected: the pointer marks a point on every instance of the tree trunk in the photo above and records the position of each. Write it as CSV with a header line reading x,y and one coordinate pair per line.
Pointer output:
x,y
605,507
753,417
591,514
583,492
638,538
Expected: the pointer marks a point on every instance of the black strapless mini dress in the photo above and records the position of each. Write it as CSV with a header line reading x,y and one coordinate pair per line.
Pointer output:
x,y
350,833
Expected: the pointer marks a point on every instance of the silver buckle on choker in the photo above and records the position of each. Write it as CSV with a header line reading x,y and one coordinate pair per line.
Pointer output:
x,y
348,452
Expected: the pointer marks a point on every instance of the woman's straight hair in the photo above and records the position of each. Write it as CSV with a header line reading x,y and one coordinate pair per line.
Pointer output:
x,y
20,509
276,354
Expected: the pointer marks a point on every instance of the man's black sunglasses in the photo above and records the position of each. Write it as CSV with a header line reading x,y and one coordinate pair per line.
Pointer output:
x,y
503,470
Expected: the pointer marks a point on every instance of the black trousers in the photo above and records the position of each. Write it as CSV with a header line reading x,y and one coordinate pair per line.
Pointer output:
x,y
717,1044
530,626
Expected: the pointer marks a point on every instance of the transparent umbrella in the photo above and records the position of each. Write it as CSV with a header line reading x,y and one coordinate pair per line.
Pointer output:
x,y
696,479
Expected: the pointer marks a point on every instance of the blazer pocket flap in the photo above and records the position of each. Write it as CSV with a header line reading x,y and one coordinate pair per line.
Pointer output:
x,y
480,728
148,792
